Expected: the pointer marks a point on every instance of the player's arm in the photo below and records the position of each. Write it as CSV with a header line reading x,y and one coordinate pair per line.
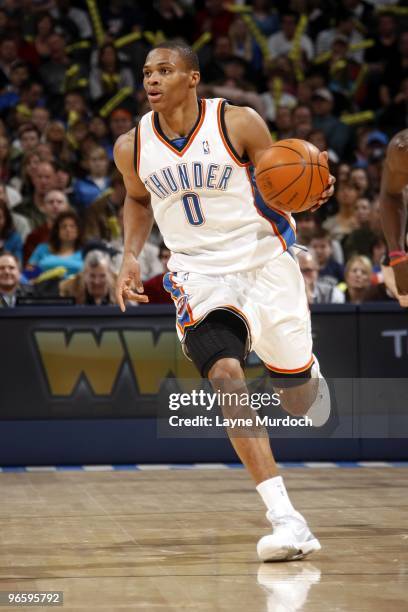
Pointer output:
x,y
250,135
138,221
393,209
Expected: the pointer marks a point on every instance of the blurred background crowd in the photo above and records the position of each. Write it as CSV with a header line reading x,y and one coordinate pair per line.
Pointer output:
x,y
334,73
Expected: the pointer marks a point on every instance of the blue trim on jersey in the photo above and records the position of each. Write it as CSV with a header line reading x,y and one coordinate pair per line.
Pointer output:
x,y
280,221
179,143
183,316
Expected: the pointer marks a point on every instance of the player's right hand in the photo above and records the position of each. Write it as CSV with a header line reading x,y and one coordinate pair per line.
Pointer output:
x,y
401,281
129,286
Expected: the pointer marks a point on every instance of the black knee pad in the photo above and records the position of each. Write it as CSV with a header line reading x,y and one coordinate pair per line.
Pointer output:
x,y
221,334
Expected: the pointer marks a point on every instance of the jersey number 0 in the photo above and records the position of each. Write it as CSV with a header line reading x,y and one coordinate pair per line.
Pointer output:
x,y
192,208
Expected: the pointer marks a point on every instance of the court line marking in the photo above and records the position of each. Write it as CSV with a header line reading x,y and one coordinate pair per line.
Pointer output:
x,y
198,466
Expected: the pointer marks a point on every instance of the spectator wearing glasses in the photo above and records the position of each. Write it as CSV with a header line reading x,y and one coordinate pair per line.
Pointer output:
x,y
317,291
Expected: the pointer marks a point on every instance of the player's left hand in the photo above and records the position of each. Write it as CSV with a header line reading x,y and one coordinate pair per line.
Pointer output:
x,y
329,191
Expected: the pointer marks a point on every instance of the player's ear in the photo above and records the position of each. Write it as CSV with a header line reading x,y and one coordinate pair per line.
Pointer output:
x,y
194,78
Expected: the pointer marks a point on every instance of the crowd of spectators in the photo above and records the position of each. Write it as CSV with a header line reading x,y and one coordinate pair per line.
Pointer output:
x,y
334,73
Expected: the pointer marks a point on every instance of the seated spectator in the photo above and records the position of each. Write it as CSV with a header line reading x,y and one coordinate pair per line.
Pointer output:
x,y
277,95
57,139
338,134
359,178
12,198
44,179
63,249
357,275
10,240
318,138
153,287
330,271
94,184
362,239
282,42
95,285
40,117
4,159
101,217
306,226
317,291
10,286
343,174
344,222
55,202
120,122
109,76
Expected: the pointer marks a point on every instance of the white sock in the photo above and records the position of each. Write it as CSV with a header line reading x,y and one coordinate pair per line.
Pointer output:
x,y
275,496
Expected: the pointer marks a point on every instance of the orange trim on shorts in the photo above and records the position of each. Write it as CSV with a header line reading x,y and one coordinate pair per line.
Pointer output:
x,y
274,226
295,371
189,310
224,140
191,138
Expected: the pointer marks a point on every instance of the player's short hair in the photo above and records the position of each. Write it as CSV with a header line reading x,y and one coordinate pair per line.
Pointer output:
x,y
189,56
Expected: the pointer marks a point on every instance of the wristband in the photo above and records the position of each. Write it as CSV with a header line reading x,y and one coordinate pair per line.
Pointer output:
x,y
398,260
393,254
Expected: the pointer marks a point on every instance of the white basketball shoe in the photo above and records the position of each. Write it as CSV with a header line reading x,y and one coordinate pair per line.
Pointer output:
x,y
291,539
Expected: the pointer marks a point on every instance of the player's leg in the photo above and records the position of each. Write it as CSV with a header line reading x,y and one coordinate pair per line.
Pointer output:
x,y
285,344
217,347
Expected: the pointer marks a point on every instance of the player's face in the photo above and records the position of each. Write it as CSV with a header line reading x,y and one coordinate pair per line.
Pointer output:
x,y
167,80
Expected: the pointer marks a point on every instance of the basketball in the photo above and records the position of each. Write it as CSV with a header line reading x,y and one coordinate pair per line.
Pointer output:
x,y
291,175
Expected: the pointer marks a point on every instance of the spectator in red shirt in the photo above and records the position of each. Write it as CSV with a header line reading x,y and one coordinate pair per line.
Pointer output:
x,y
55,202
153,288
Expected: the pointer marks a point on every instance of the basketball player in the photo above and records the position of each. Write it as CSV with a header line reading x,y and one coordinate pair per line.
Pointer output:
x,y
233,278
394,213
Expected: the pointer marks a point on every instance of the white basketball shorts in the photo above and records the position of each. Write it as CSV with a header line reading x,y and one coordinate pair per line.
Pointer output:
x,y
271,300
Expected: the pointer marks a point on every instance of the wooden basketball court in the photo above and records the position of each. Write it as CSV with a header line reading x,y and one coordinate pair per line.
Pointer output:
x,y
186,539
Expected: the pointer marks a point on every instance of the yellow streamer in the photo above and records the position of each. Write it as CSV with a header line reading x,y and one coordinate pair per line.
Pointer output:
x,y
115,101
96,21
295,53
201,41
354,118
126,40
82,44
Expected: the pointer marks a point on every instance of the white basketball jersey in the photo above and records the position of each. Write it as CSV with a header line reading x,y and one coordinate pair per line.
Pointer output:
x,y
204,198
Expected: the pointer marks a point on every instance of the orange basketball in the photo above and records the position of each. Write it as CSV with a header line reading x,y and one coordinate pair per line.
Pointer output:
x,y
291,175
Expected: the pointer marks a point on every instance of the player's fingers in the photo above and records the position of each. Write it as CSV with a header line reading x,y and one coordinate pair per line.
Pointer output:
x,y
119,298
403,300
324,156
135,297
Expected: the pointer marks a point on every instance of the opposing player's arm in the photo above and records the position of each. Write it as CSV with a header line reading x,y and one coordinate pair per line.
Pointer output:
x,y
138,221
250,135
394,179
